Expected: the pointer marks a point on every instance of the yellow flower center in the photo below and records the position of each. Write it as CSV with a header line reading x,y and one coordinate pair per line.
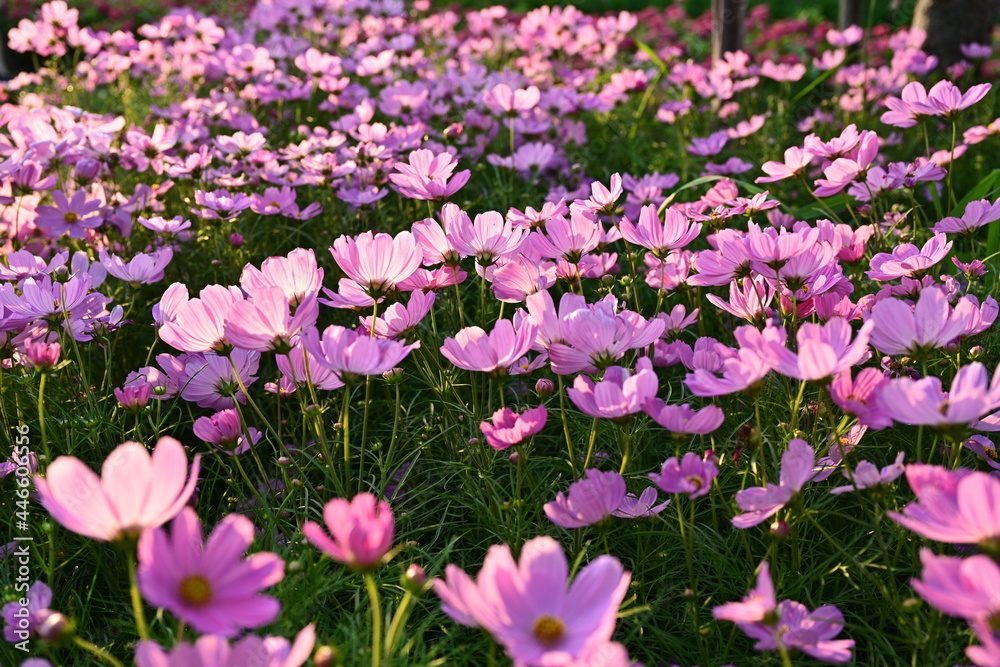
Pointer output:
x,y
696,481
70,217
548,630
195,590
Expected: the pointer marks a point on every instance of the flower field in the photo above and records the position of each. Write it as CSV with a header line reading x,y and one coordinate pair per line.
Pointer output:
x,y
369,333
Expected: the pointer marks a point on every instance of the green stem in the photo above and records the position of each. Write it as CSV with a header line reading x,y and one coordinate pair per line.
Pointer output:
x,y
133,583
590,445
565,424
364,431
376,619
97,651
41,416
398,619
628,448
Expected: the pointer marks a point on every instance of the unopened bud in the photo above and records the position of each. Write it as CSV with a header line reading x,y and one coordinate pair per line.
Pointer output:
x,y
414,579
780,529
393,376
545,387
514,458
235,240
284,461
326,656
976,353
55,627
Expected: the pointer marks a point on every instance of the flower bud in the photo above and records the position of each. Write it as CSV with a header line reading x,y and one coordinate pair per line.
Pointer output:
x,y
414,579
235,240
55,627
326,656
545,387
976,353
393,376
780,529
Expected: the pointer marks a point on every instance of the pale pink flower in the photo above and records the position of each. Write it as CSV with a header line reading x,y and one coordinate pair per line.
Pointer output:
x,y
591,500
866,475
759,503
475,350
362,530
377,262
507,427
136,491
618,394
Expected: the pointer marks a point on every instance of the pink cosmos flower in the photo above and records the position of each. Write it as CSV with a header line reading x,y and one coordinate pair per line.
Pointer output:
x,y
955,507
640,507
748,299
475,350
618,394
739,372
398,321
866,475
932,324
568,239
140,269
209,585
903,111
858,396
824,350
531,608
908,260
683,419
508,428
759,503
847,37
75,215
758,605
297,275
963,587
362,530
987,655
299,367
351,354
198,325
377,262
946,99
693,475
136,491
505,100
794,166
426,176
487,238
973,395
134,396
602,198
41,354
215,651
591,500
675,232
591,338
977,214
846,170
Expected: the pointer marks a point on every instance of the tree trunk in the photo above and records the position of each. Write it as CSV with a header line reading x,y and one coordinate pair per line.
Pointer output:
x,y
851,13
951,23
728,26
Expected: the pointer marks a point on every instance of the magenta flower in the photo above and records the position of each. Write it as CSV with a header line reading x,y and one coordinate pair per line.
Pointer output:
x,y
973,395
215,651
75,215
757,606
866,475
693,475
810,632
858,396
906,260
508,428
475,350
136,491
963,587
225,431
531,608
683,419
956,507
350,354
591,500
759,503
976,215
362,530
21,622
824,350
903,111
591,338
568,239
675,232
987,655
427,176
208,584
213,381
787,623
618,394
377,262
640,507
41,354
